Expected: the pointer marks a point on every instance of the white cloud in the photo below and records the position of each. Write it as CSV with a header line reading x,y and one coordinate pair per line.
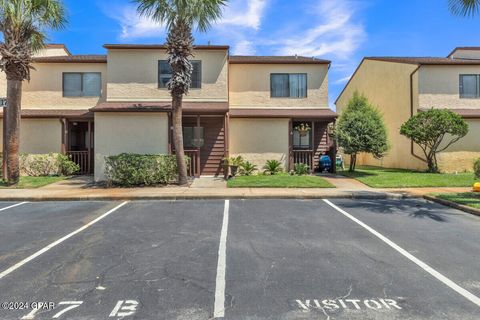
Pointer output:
x,y
342,80
243,47
238,16
334,33
244,13
133,25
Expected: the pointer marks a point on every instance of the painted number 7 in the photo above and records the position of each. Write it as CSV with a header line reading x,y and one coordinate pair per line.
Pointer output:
x,y
71,305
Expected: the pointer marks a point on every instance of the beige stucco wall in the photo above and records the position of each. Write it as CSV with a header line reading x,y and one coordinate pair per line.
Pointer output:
x,y
3,85
439,87
387,86
250,86
38,136
133,76
51,52
466,54
259,140
115,133
460,156
45,89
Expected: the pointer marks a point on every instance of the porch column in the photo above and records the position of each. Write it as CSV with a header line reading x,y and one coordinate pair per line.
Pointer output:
x,y
64,134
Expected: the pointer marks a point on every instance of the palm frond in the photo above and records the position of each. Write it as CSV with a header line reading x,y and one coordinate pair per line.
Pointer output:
x,y
23,24
464,7
199,14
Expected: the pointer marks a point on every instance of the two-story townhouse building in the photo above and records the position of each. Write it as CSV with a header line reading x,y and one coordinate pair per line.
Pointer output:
x,y
56,102
400,87
93,106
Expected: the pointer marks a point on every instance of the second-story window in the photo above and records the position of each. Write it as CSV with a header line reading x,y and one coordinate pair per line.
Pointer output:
x,y
288,85
165,74
82,84
469,86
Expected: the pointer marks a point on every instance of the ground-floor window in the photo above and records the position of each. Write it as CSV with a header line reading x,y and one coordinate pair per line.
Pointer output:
x,y
302,135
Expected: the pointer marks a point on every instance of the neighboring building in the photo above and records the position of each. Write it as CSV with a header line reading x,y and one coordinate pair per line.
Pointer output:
x,y
403,86
92,106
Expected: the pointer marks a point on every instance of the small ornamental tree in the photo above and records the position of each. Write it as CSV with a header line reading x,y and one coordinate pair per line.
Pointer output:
x,y
360,128
434,131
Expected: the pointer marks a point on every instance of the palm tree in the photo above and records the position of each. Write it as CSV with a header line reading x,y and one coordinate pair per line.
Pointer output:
x,y
464,7
180,18
23,24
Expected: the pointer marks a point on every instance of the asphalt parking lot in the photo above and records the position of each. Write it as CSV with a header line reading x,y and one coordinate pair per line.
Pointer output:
x,y
238,259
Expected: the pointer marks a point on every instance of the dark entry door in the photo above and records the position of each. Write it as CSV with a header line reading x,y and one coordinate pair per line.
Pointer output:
x,y
206,159
80,144
213,151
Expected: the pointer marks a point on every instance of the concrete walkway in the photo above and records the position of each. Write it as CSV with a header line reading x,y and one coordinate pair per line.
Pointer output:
x,y
82,188
345,183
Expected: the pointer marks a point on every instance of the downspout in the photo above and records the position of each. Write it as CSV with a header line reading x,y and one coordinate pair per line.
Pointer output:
x,y
412,147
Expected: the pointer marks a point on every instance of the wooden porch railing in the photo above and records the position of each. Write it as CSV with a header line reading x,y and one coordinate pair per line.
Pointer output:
x,y
82,159
193,168
303,156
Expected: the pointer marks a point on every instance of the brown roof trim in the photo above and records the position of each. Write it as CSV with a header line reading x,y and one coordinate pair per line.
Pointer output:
x,y
464,113
276,60
90,58
427,60
53,113
463,48
188,107
58,46
325,113
161,46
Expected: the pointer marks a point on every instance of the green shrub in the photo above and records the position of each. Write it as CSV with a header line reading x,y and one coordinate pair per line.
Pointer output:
x,y
301,169
476,168
247,168
272,167
361,128
51,164
66,166
434,131
235,161
137,169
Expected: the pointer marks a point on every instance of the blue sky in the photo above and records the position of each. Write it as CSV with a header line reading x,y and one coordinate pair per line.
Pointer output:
x,y
343,31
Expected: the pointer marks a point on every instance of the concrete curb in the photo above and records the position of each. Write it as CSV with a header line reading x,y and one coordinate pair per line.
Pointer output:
x,y
453,205
350,195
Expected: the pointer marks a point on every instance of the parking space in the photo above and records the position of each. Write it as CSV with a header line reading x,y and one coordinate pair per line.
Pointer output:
x,y
303,260
259,259
28,227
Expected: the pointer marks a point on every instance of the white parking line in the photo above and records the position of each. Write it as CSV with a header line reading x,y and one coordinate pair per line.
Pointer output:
x,y
465,293
54,244
219,306
13,206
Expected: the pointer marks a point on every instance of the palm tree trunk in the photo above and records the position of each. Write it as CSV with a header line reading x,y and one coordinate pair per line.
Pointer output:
x,y
178,139
14,102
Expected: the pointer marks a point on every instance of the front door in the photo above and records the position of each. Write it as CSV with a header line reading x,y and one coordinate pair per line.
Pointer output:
x,y
204,142
80,144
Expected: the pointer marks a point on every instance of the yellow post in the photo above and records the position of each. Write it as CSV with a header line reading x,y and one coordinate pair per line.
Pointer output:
x,y
476,187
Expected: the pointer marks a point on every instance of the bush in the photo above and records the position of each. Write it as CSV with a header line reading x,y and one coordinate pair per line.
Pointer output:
x,y
434,131
235,161
272,167
361,128
247,168
137,169
66,166
301,169
52,164
476,168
